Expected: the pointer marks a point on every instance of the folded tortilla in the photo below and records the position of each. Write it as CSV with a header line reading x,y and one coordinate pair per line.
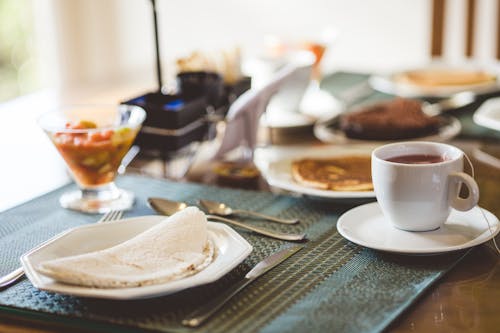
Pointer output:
x,y
173,249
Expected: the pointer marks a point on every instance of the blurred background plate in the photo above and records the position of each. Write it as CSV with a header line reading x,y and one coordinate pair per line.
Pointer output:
x,y
331,133
437,80
488,114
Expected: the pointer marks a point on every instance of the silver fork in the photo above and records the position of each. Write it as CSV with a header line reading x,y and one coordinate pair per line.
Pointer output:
x,y
10,278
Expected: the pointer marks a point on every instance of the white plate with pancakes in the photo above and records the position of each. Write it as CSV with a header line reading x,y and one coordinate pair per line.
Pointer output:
x,y
276,163
437,80
230,250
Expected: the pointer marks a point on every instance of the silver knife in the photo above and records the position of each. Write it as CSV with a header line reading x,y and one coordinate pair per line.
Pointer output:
x,y
200,315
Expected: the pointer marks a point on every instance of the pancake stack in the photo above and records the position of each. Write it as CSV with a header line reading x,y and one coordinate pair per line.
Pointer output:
x,y
345,173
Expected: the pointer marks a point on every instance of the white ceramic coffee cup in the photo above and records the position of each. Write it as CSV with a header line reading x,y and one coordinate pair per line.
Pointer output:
x,y
419,197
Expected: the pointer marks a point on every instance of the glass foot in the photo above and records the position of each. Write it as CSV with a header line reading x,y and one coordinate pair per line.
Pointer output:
x,y
94,202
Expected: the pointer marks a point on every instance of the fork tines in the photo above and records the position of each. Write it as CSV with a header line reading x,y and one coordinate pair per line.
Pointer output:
x,y
112,215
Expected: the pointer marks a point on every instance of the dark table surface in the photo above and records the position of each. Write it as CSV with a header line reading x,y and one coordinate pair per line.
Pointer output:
x,y
464,300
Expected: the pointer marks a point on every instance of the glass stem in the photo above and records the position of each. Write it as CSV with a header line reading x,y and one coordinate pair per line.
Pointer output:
x,y
104,192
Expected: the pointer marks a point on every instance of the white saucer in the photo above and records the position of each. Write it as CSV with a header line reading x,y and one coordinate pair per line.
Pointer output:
x,y
366,226
488,114
320,104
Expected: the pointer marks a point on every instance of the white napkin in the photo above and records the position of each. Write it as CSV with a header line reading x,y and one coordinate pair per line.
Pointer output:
x,y
242,119
175,248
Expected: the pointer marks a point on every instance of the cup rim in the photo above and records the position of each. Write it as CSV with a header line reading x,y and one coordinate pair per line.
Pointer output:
x,y
457,153
119,107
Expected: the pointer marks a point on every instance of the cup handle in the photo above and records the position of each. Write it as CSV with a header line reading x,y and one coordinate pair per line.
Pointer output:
x,y
462,204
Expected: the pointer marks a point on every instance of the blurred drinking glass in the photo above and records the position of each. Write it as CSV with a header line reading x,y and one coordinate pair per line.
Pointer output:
x,y
92,140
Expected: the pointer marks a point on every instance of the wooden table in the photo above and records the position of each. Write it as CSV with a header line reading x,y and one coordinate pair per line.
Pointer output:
x,y
465,300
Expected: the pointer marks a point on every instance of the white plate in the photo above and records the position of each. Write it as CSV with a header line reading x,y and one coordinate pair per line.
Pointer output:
x,y
275,165
366,226
488,114
316,104
333,134
231,249
387,84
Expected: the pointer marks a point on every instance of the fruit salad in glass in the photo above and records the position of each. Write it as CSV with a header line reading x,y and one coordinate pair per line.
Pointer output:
x,y
92,140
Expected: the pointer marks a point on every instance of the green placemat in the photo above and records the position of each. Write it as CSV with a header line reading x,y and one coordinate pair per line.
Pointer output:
x,y
331,285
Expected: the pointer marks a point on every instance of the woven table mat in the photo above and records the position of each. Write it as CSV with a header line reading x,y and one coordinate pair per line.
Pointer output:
x,y
331,285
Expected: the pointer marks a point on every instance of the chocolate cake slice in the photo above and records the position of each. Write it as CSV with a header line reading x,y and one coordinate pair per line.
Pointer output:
x,y
395,119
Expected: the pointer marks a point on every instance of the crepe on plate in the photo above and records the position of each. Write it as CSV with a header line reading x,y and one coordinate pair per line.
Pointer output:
x,y
343,173
173,249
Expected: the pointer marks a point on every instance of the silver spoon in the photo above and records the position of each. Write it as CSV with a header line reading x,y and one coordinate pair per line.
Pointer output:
x,y
129,156
168,207
219,208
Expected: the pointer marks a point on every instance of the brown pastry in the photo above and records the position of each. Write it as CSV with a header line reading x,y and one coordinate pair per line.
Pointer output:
x,y
444,77
345,173
389,120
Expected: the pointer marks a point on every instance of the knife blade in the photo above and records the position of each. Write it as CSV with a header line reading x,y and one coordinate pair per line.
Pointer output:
x,y
199,316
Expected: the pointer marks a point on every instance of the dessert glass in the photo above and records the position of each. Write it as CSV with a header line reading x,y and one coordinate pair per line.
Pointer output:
x,y
92,140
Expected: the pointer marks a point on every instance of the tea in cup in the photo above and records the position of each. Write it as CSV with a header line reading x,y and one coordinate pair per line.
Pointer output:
x,y
417,183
